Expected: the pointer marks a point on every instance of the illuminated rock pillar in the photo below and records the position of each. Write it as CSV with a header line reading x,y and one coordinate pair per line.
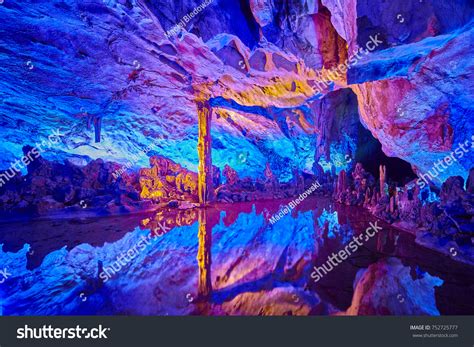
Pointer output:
x,y
205,192
204,255
205,187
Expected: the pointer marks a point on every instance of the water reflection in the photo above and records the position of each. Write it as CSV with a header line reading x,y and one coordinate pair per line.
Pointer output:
x,y
222,260
204,260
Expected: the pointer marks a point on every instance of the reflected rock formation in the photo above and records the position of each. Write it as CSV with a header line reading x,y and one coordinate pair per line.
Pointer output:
x,y
220,262
177,148
387,288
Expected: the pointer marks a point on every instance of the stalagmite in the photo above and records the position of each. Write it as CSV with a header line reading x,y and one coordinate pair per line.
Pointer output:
x,y
373,199
341,182
392,204
367,197
270,180
383,176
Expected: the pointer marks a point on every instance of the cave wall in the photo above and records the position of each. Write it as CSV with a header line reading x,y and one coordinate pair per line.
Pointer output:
x,y
67,64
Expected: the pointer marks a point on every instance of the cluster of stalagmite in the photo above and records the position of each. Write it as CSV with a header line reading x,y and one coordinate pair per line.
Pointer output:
x,y
448,212
362,190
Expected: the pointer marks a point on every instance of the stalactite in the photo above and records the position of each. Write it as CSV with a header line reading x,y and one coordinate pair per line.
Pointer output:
x,y
97,127
89,120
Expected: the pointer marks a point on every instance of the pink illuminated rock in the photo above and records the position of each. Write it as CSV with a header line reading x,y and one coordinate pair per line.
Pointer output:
x,y
387,288
275,302
432,91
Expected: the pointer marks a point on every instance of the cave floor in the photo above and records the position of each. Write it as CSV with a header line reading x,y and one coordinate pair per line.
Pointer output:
x,y
227,259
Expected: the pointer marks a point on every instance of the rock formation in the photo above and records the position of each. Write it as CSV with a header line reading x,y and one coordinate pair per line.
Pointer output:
x,y
290,95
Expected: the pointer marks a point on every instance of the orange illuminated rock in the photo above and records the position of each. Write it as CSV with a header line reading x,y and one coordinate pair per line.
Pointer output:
x,y
166,181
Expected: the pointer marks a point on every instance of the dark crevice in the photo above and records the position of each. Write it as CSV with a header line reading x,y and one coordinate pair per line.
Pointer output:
x,y
371,156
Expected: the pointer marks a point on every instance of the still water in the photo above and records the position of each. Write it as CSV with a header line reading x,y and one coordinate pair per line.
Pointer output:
x,y
223,260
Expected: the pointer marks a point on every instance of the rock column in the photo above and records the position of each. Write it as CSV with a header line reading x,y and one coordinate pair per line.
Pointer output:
x,y
205,186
